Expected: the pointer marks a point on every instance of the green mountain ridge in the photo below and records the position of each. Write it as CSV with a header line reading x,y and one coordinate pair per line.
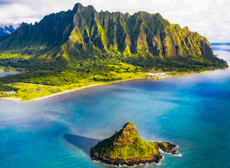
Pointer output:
x,y
64,39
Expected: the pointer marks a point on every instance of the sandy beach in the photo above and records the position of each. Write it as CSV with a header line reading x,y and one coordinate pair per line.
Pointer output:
x,y
11,99
67,91
18,100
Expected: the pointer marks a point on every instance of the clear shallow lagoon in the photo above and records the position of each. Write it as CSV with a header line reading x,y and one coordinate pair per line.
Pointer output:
x,y
192,111
2,74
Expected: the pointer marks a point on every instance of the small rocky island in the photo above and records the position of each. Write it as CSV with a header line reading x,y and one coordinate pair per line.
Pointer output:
x,y
127,148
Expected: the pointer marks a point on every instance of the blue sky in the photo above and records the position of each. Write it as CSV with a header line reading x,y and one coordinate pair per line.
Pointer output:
x,y
210,18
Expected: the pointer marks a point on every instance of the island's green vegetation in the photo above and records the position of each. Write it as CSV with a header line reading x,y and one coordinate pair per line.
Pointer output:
x,y
7,69
7,87
5,56
40,85
2,68
81,44
127,148
4,88
125,144
107,72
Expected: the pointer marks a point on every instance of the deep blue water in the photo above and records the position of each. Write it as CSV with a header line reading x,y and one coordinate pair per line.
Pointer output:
x,y
192,111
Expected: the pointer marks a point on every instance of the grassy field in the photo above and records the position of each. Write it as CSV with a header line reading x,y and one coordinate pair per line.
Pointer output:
x,y
28,91
35,85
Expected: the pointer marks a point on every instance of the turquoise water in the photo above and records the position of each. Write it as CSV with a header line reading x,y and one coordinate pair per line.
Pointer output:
x,y
192,111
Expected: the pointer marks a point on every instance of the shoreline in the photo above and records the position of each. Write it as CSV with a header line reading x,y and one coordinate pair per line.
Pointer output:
x,y
18,100
162,152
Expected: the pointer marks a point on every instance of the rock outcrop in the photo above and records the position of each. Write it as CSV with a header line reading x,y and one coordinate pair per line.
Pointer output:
x,y
127,148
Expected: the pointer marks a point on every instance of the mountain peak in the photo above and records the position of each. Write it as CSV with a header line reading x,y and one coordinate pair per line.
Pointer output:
x,y
127,148
127,135
129,128
78,7
72,34
129,125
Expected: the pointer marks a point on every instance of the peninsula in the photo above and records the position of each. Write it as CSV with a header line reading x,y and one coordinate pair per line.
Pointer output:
x,y
127,148
83,47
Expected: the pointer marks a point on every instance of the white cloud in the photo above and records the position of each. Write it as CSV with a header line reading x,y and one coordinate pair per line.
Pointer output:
x,y
210,18
133,2
16,13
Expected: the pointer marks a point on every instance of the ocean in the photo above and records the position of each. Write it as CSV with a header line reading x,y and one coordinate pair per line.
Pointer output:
x,y
192,111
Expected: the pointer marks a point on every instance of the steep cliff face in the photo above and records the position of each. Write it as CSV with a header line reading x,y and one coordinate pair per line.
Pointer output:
x,y
84,33
141,32
84,26
42,37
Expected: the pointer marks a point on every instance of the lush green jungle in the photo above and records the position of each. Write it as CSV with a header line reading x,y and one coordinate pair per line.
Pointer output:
x,y
82,47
